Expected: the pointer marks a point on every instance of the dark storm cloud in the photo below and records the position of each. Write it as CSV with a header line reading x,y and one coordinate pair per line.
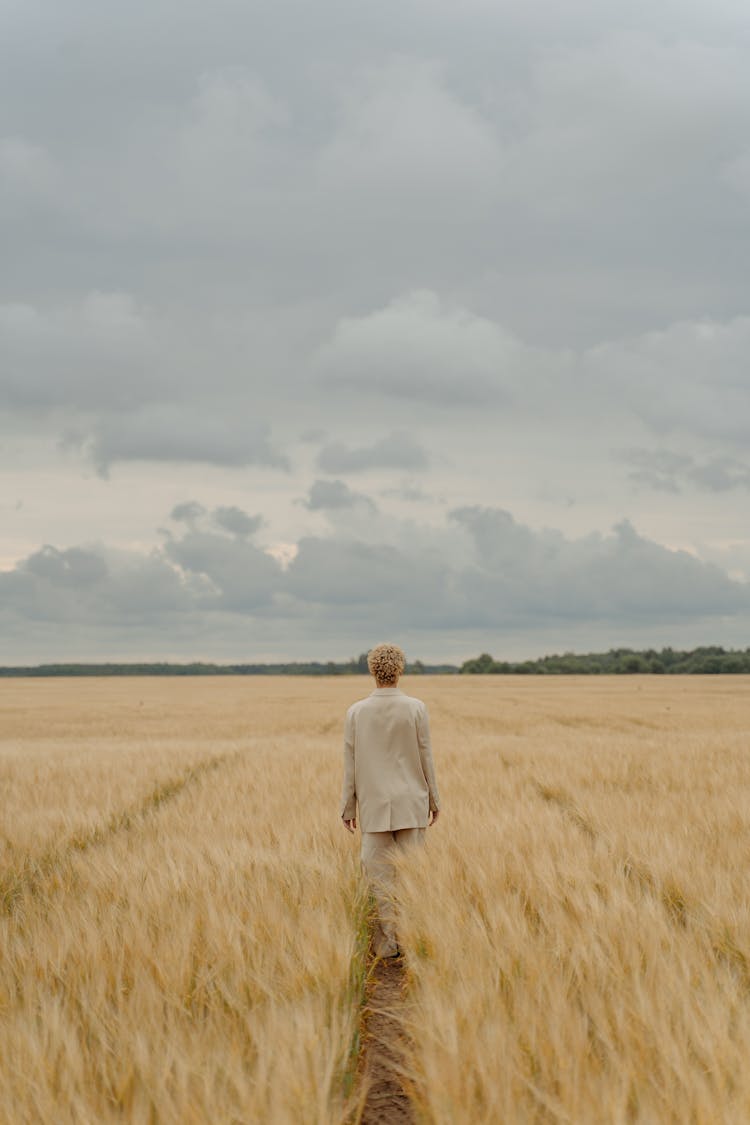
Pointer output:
x,y
396,451
332,494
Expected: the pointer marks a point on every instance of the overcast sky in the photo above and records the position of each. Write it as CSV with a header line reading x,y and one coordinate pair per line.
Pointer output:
x,y
329,323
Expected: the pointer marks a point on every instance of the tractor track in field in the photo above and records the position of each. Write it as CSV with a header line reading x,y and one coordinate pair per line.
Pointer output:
x,y
383,1042
39,873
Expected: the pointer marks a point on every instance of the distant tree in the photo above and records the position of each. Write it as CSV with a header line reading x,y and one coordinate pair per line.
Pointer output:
x,y
526,668
480,665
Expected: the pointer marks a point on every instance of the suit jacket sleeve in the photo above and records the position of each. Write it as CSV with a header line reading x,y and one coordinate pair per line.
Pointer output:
x,y
425,754
348,794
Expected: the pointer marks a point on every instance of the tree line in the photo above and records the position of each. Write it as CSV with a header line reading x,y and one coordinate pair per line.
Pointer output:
x,y
707,659
356,666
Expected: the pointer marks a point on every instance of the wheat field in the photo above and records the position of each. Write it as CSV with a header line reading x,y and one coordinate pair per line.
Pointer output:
x,y
182,921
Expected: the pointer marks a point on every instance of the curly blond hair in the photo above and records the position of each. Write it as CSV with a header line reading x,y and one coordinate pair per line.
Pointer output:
x,y
386,663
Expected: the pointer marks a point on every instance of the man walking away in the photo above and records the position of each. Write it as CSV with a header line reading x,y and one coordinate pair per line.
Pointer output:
x,y
389,773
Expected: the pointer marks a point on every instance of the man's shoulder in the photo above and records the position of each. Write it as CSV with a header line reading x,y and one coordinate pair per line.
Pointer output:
x,y
401,698
411,701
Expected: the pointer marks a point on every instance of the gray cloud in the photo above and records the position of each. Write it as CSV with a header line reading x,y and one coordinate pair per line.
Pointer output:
x,y
409,492
721,475
241,577
121,381
509,577
189,511
92,352
314,436
337,572
419,154
90,589
667,471
688,378
331,494
622,575
228,518
396,451
658,468
220,257
237,521
164,433
74,568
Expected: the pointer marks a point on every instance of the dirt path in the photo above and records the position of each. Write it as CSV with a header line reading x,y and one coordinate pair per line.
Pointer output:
x,y
383,1042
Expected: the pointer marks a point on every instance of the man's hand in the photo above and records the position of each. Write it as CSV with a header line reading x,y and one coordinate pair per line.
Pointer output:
x,y
435,815
350,825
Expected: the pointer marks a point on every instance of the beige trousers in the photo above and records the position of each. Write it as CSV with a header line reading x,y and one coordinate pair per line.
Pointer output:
x,y
378,850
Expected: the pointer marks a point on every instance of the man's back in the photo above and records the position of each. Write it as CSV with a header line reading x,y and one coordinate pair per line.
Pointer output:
x,y
388,762
388,771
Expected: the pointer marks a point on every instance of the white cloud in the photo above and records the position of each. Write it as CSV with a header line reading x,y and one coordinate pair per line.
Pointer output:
x,y
421,347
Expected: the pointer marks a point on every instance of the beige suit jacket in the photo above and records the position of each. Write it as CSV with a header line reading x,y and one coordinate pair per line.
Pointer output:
x,y
388,767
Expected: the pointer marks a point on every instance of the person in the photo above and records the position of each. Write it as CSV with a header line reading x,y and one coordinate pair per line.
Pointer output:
x,y
389,773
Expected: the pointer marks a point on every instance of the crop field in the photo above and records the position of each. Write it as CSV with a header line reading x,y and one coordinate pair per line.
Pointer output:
x,y
182,925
